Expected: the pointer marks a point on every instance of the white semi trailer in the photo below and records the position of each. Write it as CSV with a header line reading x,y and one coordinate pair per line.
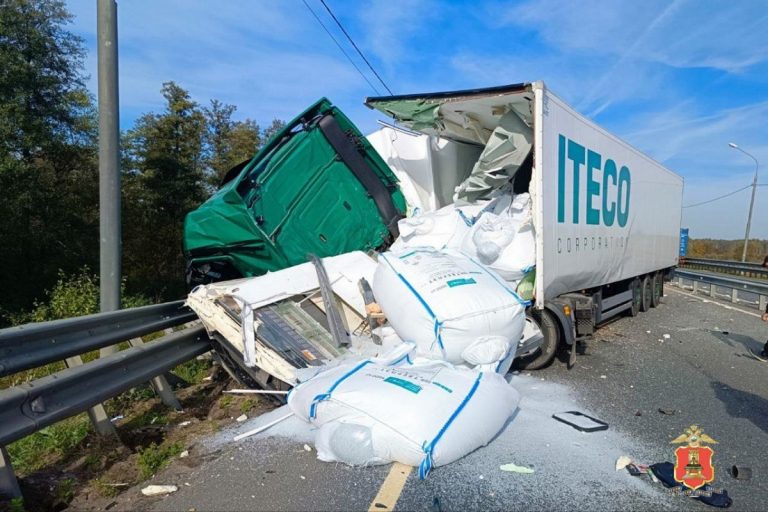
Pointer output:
x,y
606,216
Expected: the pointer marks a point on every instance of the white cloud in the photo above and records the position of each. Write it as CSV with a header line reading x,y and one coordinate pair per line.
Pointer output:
x,y
389,25
685,134
631,38
270,58
682,33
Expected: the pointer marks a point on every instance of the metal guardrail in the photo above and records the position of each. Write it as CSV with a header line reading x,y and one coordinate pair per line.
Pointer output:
x,y
33,345
29,407
727,267
741,291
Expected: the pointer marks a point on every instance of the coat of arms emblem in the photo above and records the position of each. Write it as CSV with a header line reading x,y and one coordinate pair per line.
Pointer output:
x,y
693,462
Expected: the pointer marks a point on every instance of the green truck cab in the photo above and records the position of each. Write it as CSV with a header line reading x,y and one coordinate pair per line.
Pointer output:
x,y
317,187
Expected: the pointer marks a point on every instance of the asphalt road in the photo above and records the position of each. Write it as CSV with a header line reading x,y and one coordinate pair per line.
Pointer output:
x,y
687,356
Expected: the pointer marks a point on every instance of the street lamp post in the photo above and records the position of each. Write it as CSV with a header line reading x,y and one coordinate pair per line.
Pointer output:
x,y
751,202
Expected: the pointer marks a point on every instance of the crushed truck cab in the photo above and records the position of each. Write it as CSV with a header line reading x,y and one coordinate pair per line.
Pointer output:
x,y
317,186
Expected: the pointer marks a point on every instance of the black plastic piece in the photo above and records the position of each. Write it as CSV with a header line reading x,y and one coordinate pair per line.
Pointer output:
x,y
601,425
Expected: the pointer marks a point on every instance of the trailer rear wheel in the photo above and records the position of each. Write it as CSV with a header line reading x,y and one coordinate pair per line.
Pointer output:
x,y
647,292
637,296
546,353
658,289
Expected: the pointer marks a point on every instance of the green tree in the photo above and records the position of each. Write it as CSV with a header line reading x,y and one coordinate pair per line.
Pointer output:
x,y
48,172
228,142
164,179
272,129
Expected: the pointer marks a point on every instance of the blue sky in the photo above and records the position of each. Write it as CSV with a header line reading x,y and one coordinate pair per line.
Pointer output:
x,y
677,79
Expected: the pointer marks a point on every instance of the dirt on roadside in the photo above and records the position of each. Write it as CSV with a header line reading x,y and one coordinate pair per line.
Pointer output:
x,y
104,474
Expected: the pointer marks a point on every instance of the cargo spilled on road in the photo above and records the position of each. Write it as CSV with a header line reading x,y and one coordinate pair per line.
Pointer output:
x,y
499,225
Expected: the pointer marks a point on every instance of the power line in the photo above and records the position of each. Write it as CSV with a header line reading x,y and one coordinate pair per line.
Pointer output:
x,y
340,47
718,198
356,48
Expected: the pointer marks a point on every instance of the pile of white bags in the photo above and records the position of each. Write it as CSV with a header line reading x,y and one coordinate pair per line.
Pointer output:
x,y
504,241
499,234
449,305
442,229
426,413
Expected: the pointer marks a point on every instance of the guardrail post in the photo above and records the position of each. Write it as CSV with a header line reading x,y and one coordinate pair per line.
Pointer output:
x,y
712,290
734,295
695,286
763,304
97,413
9,486
160,383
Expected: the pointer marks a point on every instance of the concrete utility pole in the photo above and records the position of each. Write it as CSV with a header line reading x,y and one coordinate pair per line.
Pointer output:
x,y
751,202
109,160
110,246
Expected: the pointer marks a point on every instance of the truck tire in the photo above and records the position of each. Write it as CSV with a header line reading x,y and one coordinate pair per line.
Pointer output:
x,y
646,294
658,289
546,353
637,296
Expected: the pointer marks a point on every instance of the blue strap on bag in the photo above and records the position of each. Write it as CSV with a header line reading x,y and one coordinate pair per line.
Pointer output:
x,y
325,396
426,465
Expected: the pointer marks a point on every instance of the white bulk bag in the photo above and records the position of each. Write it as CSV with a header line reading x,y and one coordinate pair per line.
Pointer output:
x,y
504,239
443,228
444,301
424,414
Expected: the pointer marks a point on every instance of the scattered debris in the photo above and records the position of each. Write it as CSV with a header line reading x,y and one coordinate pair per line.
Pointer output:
x,y
184,454
307,448
636,469
157,490
668,412
241,418
185,423
514,468
262,428
664,471
577,420
741,472
639,413
302,477
648,332
666,336
622,462
603,377
117,418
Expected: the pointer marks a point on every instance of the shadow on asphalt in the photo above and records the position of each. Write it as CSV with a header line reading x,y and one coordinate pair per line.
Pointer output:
x,y
738,340
743,404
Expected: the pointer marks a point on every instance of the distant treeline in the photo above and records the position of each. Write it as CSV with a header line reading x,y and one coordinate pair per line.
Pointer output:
x,y
172,160
727,249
